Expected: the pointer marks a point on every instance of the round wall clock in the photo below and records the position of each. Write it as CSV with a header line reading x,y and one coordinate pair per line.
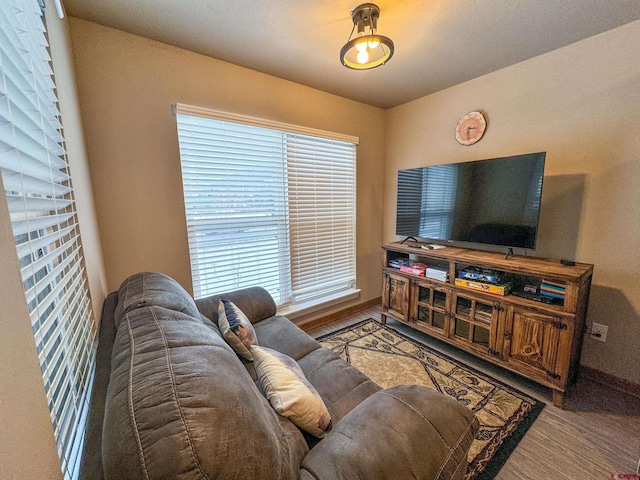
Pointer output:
x,y
470,128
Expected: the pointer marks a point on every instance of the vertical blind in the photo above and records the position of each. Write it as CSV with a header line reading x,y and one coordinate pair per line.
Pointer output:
x,y
39,193
267,207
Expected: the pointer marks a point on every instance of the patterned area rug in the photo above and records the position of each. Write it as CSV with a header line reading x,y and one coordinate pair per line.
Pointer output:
x,y
390,358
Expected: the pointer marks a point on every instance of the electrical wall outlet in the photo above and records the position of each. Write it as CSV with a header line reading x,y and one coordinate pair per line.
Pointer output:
x,y
599,332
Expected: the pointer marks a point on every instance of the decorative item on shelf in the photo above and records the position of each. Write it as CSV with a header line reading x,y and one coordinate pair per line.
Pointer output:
x,y
397,263
480,274
437,273
414,268
492,288
470,128
368,49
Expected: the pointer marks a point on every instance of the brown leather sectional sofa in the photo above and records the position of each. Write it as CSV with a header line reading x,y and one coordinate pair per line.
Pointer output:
x,y
172,400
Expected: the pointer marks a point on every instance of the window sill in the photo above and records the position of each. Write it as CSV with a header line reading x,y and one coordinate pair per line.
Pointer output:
x,y
310,306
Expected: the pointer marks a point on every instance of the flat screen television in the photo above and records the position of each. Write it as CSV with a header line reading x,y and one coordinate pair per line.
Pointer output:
x,y
493,202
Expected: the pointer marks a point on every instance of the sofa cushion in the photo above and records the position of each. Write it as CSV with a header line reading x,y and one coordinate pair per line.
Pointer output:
x,y
283,335
289,392
404,432
341,385
236,329
180,404
151,288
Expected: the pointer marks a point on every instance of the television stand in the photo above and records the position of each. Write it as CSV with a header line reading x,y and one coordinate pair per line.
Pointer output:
x,y
540,341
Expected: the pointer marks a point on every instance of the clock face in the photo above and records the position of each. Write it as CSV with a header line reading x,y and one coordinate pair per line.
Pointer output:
x,y
470,128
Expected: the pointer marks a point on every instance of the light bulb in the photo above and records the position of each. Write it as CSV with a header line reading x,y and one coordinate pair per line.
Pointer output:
x,y
361,46
363,56
373,43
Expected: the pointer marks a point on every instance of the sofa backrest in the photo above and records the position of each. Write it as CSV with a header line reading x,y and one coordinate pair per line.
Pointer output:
x,y
152,288
255,302
180,404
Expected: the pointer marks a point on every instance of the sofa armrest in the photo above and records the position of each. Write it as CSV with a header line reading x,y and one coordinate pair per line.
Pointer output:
x,y
255,302
404,432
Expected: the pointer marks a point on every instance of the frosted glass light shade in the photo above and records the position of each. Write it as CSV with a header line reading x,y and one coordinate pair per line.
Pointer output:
x,y
376,56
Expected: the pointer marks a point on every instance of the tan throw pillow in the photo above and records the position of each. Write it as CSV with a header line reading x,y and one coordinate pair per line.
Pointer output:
x,y
236,328
289,392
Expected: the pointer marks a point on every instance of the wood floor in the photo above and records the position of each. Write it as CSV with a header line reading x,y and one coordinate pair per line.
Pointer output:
x,y
596,436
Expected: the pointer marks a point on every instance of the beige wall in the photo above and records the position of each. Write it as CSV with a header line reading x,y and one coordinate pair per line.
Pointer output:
x,y
62,57
580,104
27,444
574,103
127,85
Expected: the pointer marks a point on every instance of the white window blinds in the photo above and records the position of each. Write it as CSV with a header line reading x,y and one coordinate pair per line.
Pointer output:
x,y
322,199
266,206
235,200
39,194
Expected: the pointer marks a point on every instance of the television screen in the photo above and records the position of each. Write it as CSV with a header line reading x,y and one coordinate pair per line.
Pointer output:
x,y
495,201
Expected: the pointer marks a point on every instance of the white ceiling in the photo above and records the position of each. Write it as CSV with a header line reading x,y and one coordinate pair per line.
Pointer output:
x,y
439,43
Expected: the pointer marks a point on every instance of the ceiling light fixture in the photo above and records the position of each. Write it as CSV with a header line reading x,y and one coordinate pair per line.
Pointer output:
x,y
368,49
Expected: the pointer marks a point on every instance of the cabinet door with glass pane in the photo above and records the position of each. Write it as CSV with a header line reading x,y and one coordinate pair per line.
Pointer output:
x,y
429,310
474,322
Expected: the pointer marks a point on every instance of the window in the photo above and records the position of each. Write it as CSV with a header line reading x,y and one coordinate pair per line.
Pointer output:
x,y
39,193
267,204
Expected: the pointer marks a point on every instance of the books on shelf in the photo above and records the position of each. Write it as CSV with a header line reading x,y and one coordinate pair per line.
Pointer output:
x,y
414,268
396,263
552,289
408,266
420,269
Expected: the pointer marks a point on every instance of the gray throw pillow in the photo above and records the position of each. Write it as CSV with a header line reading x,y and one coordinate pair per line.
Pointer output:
x,y
236,328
